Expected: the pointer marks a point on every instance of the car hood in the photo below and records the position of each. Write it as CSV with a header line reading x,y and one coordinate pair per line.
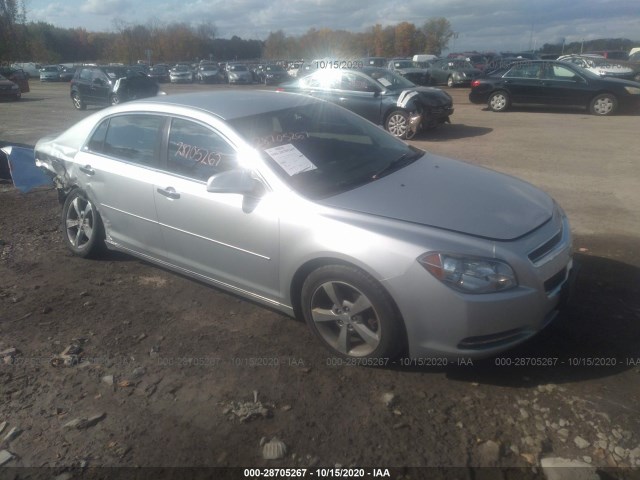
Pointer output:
x,y
452,195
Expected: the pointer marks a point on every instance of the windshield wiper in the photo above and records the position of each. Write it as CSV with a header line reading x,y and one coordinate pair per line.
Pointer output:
x,y
402,161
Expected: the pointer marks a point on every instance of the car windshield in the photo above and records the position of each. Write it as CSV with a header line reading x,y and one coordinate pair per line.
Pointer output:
x,y
391,81
237,68
181,68
50,69
274,68
403,64
321,150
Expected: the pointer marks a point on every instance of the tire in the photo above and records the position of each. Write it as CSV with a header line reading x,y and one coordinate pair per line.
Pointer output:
x,y
351,313
450,83
499,101
78,103
114,99
603,104
82,225
397,124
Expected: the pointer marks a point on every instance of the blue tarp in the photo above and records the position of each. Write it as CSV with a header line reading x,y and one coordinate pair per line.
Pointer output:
x,y
24,173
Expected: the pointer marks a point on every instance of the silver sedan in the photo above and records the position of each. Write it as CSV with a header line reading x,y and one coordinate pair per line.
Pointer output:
x,y
383,249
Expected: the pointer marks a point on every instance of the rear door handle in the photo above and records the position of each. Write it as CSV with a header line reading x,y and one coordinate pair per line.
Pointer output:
x,y
169,192
88,170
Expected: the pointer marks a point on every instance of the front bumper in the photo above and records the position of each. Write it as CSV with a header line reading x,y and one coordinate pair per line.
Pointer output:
x,y
443,323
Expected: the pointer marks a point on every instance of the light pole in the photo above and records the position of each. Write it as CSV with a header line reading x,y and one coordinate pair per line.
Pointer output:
x,y
455,37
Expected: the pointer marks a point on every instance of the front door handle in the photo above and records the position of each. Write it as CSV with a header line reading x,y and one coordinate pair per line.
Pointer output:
x,y
88,170
169,192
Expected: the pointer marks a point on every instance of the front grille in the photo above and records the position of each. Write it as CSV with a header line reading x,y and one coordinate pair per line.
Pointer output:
x,y
540,252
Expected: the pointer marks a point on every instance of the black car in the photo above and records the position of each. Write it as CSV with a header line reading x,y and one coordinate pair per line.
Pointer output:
x,y
67,73
380,96
272,74
553,83
109,85
159,73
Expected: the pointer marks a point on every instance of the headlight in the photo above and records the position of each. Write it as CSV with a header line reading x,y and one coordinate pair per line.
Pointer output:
x,y
469,274
632,90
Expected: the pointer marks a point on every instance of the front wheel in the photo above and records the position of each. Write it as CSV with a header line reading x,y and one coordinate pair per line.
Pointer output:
x,y
397,124
351,313
82,226
450,82
78,103
499,101
603,104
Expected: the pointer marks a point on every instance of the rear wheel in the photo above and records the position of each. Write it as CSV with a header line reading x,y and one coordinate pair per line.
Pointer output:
x,y
114,99
351,313
82,225
450,82
499,101
603,104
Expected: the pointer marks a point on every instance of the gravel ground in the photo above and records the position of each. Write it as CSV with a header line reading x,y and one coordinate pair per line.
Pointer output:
x,y
115,362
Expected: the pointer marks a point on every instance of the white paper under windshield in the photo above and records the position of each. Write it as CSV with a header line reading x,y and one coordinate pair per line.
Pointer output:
x,y
290,159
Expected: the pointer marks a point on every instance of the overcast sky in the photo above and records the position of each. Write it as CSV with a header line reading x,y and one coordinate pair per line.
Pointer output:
x,y
480,24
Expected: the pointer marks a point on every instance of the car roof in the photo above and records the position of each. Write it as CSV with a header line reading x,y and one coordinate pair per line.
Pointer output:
x,y
230,105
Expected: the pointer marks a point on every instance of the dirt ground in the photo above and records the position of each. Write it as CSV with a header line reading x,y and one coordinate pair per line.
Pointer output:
x,y
115,362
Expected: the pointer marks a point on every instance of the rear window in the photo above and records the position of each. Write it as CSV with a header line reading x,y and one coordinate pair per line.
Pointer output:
x,y
134,138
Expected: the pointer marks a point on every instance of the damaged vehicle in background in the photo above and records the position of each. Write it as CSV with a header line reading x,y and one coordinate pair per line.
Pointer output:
x,y
326,216
109,85
381,96
410,70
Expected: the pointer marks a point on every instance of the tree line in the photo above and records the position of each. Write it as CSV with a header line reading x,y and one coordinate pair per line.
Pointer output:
x,y
45,43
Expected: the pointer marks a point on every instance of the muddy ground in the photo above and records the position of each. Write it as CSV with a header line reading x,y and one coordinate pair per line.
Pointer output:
x,y
121,363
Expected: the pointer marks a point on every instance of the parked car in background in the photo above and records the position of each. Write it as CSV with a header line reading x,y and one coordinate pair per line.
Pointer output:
x,y
272,74
239,73
453,72
381,62
611,54
17,76
67,73
600,66
8,89
522,55
424,60
409,70
541,82
50,73
306,68
181,73
159,73
292,70
478,61
383,249
109,85
32,69
209,73
381,96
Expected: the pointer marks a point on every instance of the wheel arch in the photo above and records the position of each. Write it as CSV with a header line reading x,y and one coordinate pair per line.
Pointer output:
x,y
601,92
309,266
